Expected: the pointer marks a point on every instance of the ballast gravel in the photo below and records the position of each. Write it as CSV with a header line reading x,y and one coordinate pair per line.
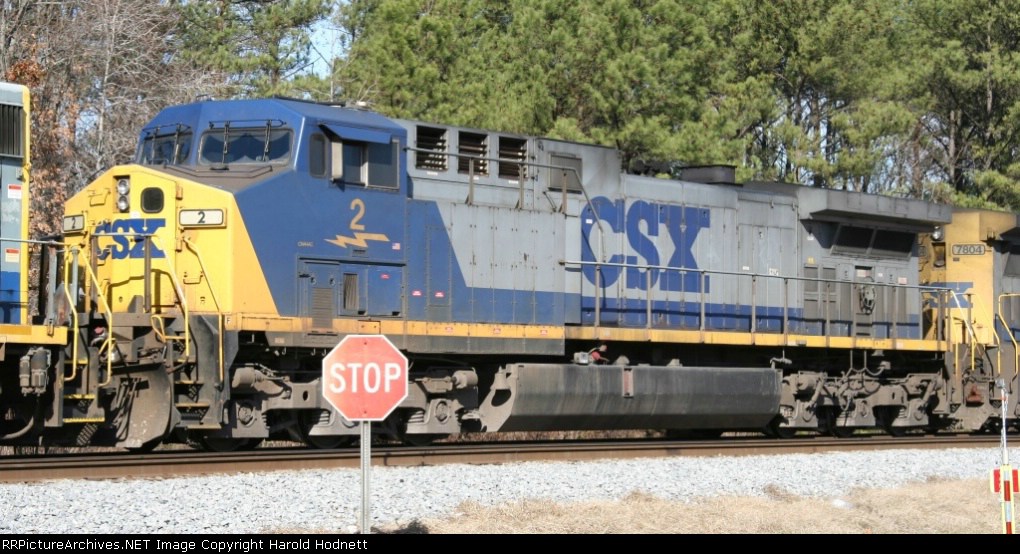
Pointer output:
x,y
330,500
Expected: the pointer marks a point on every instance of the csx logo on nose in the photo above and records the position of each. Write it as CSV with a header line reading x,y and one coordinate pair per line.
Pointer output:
x,y
124,244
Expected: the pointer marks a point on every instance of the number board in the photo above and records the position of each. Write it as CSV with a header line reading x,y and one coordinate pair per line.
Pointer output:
x,y
968,249
200,218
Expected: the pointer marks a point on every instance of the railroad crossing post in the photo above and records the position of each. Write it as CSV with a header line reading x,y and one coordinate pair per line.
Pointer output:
x,y
1004,478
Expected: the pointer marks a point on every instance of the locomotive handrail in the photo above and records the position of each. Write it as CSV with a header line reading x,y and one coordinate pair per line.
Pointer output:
x,y
212,292
1005,325
969,327
51,286
704,273
73,309
170,272
51,293
108,341
180,295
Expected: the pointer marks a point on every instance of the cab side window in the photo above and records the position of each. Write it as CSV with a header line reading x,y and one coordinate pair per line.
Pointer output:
x,y
365,163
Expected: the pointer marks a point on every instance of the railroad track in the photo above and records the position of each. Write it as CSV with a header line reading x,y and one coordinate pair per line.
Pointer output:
x,y
187,462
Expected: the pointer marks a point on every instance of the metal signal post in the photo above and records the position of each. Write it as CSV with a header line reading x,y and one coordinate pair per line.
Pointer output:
x,y
366,462
1004,478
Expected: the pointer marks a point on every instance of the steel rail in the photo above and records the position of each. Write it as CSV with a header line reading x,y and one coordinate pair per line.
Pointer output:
x,y
165,464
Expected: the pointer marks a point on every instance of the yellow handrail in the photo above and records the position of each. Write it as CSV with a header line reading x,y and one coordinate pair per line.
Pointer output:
x,y
180,295
216,302
968,325
72,305
1005,325
108,343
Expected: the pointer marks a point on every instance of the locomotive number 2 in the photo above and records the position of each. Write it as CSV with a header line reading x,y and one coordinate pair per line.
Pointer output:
x,y
358,205
357,228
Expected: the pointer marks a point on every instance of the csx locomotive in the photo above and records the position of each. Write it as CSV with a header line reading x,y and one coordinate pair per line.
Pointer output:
x,y
532,285
30,351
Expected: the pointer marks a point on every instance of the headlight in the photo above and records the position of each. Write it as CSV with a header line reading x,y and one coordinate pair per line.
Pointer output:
x,y
123,188
937,234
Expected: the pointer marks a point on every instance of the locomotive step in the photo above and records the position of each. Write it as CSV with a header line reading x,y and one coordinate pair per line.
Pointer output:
x,y
84,420
192,405
79,397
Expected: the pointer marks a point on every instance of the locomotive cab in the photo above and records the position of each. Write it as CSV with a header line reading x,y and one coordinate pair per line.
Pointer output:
x,y
187,264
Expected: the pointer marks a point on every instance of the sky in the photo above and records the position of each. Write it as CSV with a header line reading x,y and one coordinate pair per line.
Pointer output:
x,y
325,46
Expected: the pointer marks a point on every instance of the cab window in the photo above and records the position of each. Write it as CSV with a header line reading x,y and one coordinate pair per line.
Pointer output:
x,y
159,147
365,163
245,146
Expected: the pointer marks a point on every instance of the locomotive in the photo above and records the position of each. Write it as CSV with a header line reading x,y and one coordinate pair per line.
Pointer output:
x,y
531,283
30,347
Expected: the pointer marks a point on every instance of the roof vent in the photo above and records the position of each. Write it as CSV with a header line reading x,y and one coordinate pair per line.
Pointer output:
x,y
710,174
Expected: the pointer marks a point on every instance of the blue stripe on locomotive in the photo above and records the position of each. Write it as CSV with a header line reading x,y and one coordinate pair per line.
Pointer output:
x,y
10,297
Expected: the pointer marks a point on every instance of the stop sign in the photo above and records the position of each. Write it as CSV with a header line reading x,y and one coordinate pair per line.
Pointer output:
x,y
364,377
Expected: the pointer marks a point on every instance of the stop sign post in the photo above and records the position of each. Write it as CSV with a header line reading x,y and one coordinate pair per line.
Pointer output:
x,y
365,378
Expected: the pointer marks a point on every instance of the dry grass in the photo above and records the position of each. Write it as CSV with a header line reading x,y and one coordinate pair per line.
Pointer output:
x,y
933,507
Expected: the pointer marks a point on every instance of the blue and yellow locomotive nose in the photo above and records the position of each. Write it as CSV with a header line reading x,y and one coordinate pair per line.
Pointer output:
x,y
149,240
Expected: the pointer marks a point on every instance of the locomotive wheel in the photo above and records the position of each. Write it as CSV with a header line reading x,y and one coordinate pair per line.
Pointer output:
x,y
775,429
420,439
834,429
841,432
325,442
886,419
895,431
147,447
308,419
694,434
227,444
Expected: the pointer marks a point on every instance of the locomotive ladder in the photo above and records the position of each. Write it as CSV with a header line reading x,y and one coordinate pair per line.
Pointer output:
x,y
971,333
71,276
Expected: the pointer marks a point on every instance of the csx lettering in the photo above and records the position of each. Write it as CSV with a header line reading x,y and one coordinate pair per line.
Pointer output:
x,y
123,244
640,221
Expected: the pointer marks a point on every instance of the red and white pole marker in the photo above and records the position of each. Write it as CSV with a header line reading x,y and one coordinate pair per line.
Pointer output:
x,y
1004,478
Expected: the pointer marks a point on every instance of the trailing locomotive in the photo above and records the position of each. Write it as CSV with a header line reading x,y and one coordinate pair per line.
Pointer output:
x,y
29,347
531,284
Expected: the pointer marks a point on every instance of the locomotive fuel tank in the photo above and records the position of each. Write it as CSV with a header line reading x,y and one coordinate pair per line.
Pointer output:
x,y
544,397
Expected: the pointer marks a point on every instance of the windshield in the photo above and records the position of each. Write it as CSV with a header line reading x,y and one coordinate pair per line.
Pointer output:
x,y
245,145
164,145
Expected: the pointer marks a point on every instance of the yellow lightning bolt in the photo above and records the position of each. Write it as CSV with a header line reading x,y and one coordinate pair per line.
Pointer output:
x,y
359,239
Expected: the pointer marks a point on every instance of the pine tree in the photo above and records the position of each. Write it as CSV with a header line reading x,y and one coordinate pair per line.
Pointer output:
x,y
258,46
